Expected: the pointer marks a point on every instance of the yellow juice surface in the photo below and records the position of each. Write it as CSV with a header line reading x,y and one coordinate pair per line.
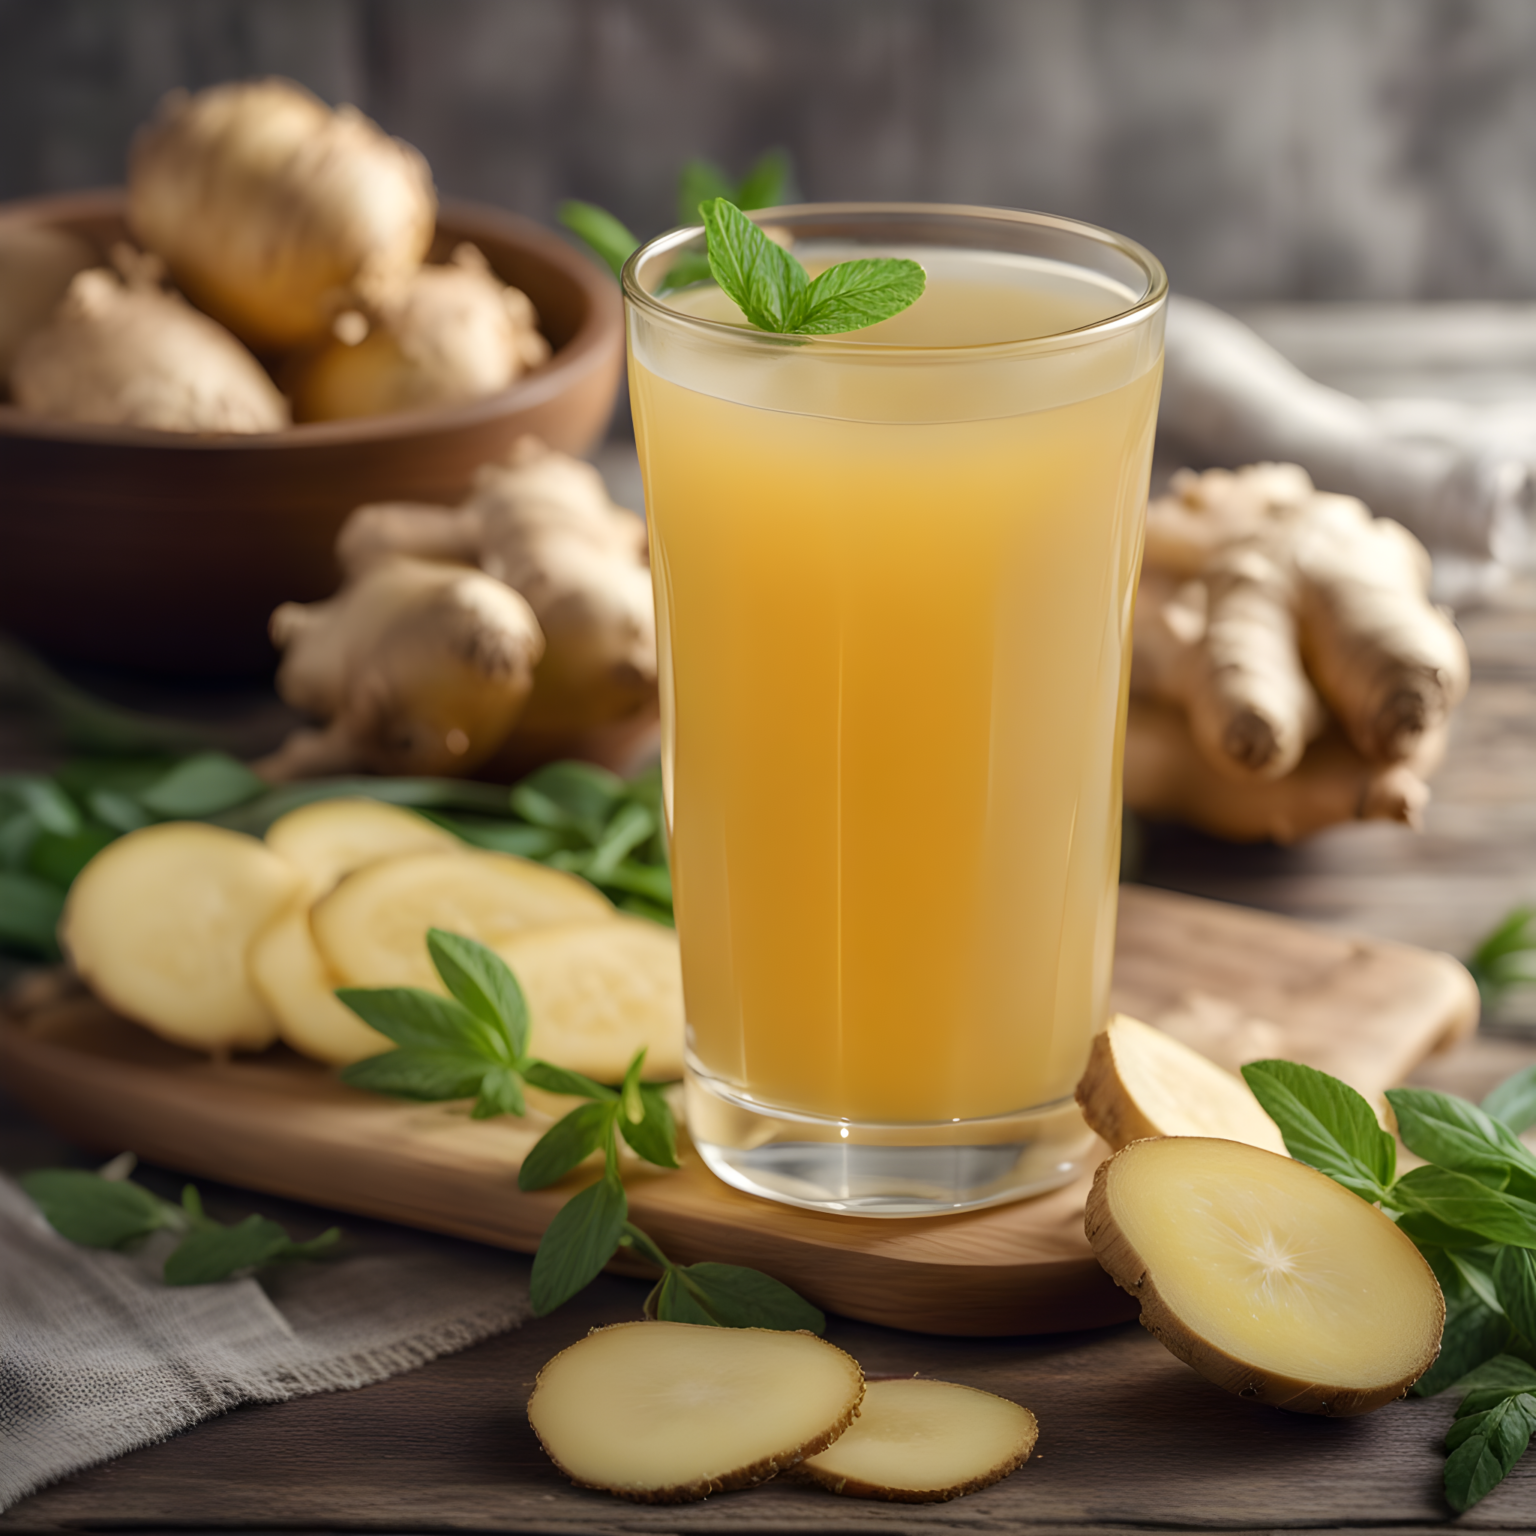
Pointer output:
x,y
893,647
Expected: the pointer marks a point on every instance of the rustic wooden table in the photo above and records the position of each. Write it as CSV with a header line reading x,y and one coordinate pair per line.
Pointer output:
x,y
1131,1440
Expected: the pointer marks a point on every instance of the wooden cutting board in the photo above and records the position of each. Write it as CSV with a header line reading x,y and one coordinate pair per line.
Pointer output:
x,y
1235,983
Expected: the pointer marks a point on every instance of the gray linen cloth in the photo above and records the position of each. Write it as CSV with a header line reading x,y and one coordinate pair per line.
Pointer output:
x,y
98,1356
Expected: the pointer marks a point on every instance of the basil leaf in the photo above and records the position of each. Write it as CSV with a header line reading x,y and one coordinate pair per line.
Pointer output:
x,y
93,1211
1326,1124
1513,1102
1427,1232
1506,958
1455,1134
565,1144
215,1252
674,1302
1503,1373
1484,1447
483,982
203,785
735,1297
762,278
1514,1280
1460,1201
501,1093
853,294
540,1074
768,184
419,1072
577,1243
29,913
600,230
654,1135
412,1016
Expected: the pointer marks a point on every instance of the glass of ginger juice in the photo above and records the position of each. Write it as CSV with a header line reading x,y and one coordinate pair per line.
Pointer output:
x,y
894,572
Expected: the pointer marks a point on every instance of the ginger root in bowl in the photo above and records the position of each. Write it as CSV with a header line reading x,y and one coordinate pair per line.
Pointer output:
x,y
1289,669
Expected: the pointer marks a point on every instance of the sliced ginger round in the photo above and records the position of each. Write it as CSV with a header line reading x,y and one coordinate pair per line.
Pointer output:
x,y
372,929
295,983
598,992
1267,1277
919,1442
1140,1082
328,839
158,925
662,1413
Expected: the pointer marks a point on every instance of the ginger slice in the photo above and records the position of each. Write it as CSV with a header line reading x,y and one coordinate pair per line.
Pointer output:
x,y
329,839
598,992
372,928
1140,1082
920,1442
662,1413
1264,1275
158,924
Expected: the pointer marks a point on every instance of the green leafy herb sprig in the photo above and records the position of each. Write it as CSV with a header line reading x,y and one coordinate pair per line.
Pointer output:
x,y
1471,1211
474,1044
1506,958
101,1211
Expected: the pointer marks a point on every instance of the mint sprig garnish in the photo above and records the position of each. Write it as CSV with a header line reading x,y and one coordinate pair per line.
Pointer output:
x,y
775,292
100,1212
475,1044
1471,1211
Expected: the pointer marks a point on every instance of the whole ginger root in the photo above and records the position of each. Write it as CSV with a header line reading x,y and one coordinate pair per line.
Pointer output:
x,y
1289,670
543,530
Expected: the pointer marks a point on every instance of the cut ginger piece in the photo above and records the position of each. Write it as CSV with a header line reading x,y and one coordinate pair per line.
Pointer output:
x,y
158,925
296,984
919,1442
598,992
1140,1082
662,1413
328,839
1267,1277
372,929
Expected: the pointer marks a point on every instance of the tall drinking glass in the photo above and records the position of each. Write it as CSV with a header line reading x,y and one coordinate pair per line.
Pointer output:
x,y
894,572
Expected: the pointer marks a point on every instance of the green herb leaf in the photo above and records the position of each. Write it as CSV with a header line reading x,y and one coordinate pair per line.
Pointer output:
x,y
93,1211
483,982
29,913
1513,1102
735,1297
600,230
629,1090
853,294
502,836
19,833
698,182
419,1072
1326,1124
654,1135
1514,1280
672,1301
552,1079
501,1093
578,1242
1503,1373
213,1252
411,1016
58,860
1506,959
1484,1447
203,785
1455,1134
768,184
631,826
763,279
1461,1201
566,1144
579,796
120,812
50,807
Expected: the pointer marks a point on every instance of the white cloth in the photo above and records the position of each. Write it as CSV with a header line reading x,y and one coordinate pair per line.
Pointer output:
x,y
98,1356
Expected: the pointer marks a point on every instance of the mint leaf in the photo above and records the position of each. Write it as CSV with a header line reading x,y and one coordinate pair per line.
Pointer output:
x,y
93,1211
1455,1134
1513,1102
418,1072
577,1243
769,183
215,1252
735,1297
699,182
853,294
47,804
567,1143
600,230
1461,1201
673,1302
501,1093
654,1135
1326,1124
1484,1446
763,279
411,1016
203,785
577,796
483,982
552,1079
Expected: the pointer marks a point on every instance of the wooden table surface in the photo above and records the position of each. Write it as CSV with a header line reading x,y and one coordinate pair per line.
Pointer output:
x,y
1131,1440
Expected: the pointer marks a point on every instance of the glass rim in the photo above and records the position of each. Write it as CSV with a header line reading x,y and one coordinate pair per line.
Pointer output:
x,y
1121,320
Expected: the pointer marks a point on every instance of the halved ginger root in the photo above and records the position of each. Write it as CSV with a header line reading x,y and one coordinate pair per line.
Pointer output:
x,y
273,211
921,1442
1267,1277
455,332
158,924
371,929
598,992
663,1413
328,839
1140,1082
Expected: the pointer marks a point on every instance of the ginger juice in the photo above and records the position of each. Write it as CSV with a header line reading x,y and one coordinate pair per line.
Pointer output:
x,y
894,572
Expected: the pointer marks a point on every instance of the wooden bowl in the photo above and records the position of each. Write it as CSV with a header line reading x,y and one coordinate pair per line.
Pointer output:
x,y
165,552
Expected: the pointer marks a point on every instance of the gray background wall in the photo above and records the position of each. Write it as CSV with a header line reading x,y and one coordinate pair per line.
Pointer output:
x,y
1266,149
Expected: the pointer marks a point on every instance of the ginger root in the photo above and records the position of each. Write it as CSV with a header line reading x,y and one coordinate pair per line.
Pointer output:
x,y
1289,670
122,351
455,332
417,668
36,266
274,212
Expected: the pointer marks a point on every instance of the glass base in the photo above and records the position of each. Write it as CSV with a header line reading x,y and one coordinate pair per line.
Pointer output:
x,y
856,1169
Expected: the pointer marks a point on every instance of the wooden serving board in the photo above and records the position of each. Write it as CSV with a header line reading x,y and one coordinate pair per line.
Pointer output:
x,y
1236,983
